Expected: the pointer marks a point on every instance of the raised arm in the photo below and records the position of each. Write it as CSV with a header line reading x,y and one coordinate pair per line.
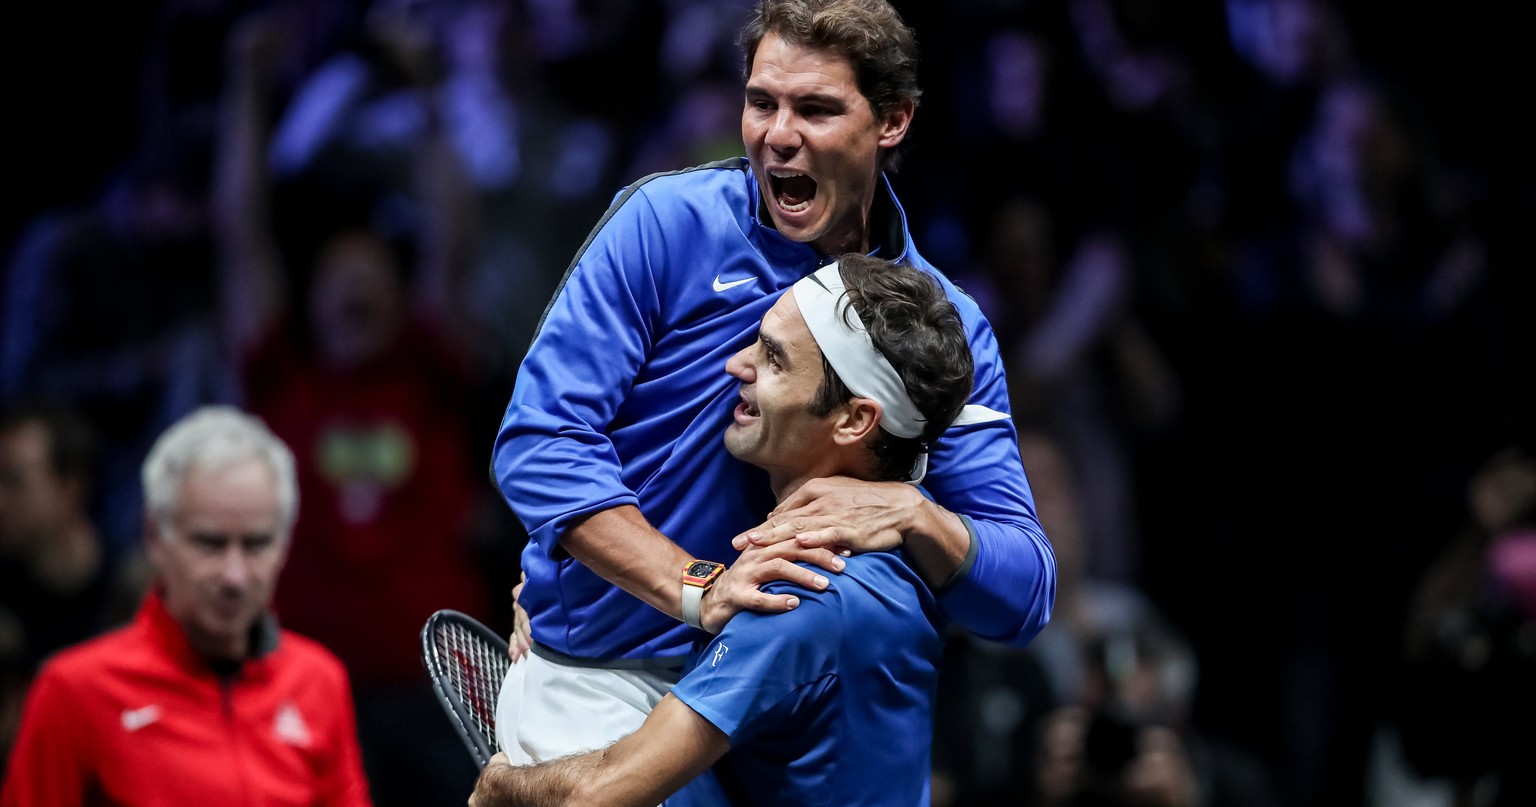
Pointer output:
x,y
253,288
672,746
451,220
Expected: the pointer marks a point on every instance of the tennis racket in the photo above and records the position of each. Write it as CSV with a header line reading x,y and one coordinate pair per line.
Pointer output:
x,y
466,662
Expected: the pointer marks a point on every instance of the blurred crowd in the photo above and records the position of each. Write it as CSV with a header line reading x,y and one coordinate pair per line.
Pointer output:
x,y
1260,269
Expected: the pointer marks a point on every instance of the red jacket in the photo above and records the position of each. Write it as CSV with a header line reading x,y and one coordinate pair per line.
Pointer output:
x,y
135,717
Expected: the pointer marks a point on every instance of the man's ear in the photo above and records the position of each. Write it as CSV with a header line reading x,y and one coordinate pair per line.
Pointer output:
x,y
859,419
894,123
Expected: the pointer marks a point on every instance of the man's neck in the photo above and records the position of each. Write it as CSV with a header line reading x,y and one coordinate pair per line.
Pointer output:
x,y
783,488
218,653
837,463
854,239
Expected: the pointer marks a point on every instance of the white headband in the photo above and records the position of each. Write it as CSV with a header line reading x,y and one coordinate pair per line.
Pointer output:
x,y
841,335
865,371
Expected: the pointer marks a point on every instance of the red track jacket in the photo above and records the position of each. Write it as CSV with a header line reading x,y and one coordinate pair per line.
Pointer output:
x,y
134,717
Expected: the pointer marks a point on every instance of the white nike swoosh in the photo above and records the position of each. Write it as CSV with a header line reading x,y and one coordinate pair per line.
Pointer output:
x,y
135,719
719,287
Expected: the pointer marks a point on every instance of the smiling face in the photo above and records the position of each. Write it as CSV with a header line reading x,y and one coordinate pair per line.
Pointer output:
x,y
220,555
780,373
815,143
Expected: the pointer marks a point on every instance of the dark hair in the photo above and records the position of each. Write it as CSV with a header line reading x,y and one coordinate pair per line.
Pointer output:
x,y
71,439
915,326
870,33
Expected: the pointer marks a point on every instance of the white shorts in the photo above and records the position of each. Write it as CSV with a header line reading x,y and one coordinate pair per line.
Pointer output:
x,y
548,710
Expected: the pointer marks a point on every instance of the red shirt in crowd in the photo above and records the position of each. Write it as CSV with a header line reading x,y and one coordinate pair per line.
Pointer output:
x,y
387,492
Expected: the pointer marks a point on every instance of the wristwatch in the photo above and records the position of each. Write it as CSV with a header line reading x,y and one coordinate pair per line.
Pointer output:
x,y
698,576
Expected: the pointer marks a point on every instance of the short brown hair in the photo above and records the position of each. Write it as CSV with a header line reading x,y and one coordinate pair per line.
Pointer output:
x,y
870,33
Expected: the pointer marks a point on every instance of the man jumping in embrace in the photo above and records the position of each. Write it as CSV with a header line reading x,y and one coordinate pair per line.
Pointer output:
x,y
856,371
610,450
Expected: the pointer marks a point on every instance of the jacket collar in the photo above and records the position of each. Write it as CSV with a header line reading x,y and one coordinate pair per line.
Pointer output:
x,y
167,635
889,235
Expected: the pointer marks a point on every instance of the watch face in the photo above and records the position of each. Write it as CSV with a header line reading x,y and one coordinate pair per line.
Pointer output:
x,y
701,568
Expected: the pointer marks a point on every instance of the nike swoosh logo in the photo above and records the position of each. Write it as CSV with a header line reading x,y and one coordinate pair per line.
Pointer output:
x,y
719,286
135,719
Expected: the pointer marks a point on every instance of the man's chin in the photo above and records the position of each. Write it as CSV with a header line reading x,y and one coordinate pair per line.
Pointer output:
x,y
736,444
802,227
795,229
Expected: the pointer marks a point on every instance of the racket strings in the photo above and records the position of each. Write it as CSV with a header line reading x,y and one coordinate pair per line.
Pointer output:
x,y
474,669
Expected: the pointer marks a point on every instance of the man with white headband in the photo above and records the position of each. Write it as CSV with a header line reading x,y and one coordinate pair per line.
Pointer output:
x,y
643,530
854,372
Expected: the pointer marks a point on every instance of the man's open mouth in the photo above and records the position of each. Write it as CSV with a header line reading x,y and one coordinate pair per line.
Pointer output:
x,y
793,191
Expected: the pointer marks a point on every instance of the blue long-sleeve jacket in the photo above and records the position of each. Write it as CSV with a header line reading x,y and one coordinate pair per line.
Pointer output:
x,y
623,399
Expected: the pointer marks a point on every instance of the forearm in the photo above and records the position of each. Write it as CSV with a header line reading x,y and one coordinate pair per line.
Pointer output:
x,y
450,236
937,542
551,784
620,546
241,216
672,746
240,207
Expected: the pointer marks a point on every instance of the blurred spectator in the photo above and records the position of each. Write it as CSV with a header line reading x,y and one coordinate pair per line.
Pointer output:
x,y
1380,232
1049,255
1373,282
1465,706
416,64
1285,51
55,574
110,306
1122,680
347,337
1097,710
202,699
992,698
1080,359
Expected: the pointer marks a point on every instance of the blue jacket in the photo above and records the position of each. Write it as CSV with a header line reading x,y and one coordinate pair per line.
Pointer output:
x,y
623,399
828,704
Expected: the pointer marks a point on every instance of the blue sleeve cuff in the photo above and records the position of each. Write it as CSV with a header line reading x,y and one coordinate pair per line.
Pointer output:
x,y
970,557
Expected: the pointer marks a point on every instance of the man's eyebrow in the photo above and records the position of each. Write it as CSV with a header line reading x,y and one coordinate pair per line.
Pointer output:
x,y
774,348
829,100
